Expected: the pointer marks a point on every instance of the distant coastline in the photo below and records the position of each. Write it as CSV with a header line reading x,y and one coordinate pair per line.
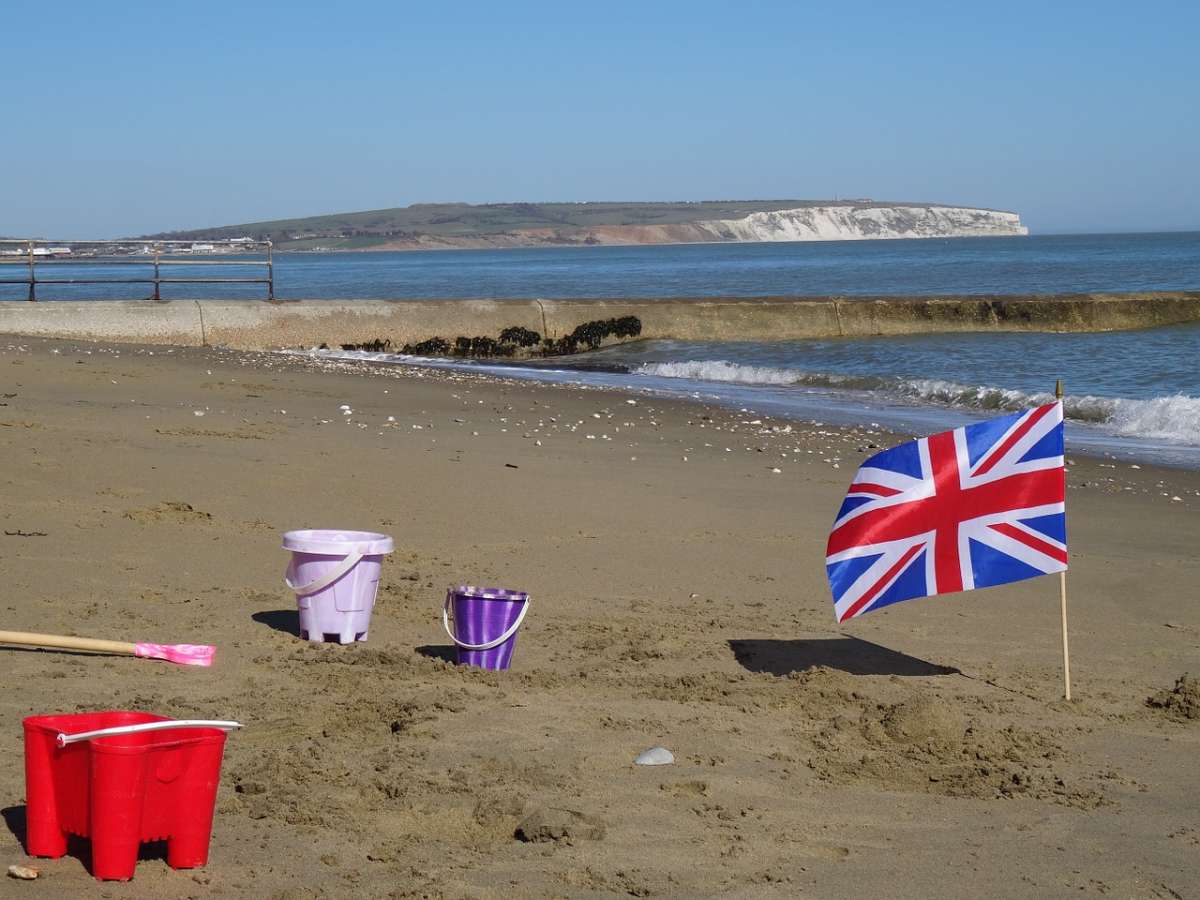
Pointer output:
x,y
456,226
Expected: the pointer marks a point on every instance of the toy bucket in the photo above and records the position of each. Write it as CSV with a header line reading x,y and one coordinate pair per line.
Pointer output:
x,y
335,575
120,779
486,621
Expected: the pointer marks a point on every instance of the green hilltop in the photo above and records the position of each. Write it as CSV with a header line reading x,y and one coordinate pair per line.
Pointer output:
x,y
454,221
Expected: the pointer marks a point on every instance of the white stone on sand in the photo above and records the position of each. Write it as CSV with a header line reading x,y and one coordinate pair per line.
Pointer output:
x,y
655,756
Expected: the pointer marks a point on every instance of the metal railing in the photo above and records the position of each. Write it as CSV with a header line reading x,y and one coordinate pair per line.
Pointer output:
x,y
30,253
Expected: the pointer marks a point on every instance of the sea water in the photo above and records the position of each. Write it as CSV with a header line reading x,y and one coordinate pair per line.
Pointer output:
x,y
1134,393
995,265
986,265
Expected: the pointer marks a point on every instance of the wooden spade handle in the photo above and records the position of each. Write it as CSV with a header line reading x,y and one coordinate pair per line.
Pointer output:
x,y
31,639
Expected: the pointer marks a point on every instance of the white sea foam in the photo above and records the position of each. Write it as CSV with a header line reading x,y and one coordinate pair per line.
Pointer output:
x,y
982,397
1174,418
721,370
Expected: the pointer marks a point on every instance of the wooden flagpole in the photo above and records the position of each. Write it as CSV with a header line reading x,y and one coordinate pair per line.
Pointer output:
x,y
1062,594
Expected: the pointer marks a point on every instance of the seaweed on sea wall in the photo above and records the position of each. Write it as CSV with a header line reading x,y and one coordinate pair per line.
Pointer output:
x,y
379,345
486,346
592,334
627,326
435,346
589,336
481,346
522,337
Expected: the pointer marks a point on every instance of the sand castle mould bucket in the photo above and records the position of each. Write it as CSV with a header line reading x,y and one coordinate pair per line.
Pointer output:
x,y
335,575
120,779
486,621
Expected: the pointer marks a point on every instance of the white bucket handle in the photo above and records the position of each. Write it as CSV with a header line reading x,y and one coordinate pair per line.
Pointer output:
x,y
490,644
64,739
351,560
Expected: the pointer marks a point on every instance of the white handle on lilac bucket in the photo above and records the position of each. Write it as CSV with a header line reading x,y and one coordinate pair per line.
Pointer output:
x,y
490,644
303,590
64,739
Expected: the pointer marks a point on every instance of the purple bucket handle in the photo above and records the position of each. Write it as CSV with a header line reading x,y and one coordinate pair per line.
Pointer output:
x,y
490,644
303,590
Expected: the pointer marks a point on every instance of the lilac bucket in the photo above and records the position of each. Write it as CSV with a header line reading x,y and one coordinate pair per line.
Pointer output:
x,y
335,575
486,621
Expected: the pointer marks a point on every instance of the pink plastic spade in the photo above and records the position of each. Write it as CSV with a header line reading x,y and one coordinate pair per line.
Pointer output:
x,y
182,654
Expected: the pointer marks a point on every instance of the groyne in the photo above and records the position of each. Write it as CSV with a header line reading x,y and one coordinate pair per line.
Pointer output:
x,y
256,325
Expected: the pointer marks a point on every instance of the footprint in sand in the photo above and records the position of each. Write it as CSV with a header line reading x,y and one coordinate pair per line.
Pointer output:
x,y
168,511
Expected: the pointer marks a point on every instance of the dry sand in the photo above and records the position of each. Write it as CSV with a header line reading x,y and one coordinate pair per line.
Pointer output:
x,y
923,751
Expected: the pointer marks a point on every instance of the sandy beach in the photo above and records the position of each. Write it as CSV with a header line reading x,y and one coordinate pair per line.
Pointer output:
x,y
674,553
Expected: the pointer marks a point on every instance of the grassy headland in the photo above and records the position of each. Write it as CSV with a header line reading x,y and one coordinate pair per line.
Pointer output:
x,y
499,224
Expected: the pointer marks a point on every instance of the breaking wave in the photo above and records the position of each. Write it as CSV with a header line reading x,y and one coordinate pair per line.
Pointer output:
x,y
1172,418
735,373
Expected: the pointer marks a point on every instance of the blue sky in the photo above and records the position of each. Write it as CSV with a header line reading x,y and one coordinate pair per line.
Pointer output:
x,y
138,117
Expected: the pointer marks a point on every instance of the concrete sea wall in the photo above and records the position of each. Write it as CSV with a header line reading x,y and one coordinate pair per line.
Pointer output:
x,y
255,325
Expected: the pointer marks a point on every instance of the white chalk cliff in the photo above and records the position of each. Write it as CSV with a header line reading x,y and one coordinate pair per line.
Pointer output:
x,y
853,223
849,221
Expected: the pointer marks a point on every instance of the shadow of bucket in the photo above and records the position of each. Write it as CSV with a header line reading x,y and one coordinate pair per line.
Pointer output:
x,y
486,621
334,575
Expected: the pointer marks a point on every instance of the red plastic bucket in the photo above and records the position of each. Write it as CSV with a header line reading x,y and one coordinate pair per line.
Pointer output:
x,y
121,790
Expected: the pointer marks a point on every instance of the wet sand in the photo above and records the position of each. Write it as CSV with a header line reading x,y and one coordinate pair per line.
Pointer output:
x,y
923,751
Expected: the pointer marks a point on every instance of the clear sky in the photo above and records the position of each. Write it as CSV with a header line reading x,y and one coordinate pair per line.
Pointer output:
x,y
131,117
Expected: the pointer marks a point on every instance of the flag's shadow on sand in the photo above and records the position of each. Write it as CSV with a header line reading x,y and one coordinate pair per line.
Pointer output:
x,y
846,654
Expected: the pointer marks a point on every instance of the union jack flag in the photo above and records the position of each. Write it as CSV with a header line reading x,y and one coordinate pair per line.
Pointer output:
x,y
974,507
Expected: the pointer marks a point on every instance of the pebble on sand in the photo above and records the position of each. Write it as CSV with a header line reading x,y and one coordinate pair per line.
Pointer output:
x,y
655,756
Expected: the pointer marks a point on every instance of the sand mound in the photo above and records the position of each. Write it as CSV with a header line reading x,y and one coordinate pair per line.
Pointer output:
x,y
926,745
556,824
923,723
1179,702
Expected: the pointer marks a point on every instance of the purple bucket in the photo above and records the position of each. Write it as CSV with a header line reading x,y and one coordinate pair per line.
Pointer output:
x,y
486,621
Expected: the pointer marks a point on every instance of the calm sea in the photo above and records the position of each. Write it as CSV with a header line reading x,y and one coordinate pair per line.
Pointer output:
x,y
1019,265
1001,265
1133,394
